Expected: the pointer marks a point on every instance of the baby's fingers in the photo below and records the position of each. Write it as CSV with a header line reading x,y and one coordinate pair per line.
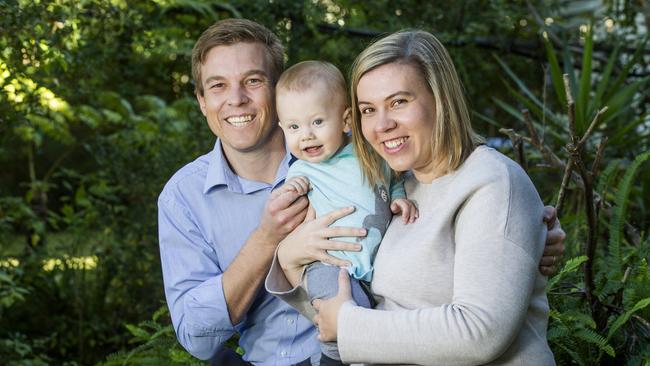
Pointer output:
x,y
303,184
406,213
414,213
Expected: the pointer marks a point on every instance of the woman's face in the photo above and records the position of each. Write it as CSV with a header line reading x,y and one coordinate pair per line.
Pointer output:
x,y
397,117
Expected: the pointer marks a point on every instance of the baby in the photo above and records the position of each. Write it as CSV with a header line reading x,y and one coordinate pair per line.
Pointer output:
x,y
314,113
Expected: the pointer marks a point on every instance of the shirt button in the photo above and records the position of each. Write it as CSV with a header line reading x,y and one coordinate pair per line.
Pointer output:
x,y
283,353
290,321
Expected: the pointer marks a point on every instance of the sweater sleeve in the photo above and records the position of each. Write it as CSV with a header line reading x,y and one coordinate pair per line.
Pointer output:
x,y
276,284
498,236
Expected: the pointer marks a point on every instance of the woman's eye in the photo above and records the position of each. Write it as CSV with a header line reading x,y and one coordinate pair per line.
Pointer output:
x,y
318,122
367,110
397,102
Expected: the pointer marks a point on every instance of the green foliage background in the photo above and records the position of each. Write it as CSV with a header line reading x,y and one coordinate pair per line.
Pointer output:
x,y
97,112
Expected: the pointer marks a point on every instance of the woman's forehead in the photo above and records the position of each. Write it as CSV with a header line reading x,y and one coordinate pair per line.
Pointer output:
x,y
388,79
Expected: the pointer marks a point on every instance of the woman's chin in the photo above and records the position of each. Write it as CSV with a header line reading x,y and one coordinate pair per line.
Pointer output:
x,y
398,165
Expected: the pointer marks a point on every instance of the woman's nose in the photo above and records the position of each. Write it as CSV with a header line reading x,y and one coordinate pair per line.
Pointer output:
x,y
385,122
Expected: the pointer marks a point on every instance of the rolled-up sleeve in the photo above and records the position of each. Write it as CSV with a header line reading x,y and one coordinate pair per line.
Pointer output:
x,y
192,277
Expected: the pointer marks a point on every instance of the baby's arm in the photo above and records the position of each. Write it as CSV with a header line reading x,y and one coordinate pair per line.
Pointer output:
x,y
298,184
406,207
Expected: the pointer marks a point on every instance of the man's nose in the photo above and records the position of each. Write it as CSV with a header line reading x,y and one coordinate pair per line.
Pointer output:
x,y
237,96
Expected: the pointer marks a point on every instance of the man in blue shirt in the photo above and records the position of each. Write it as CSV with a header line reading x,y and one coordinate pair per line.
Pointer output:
x,y
217,231
217,237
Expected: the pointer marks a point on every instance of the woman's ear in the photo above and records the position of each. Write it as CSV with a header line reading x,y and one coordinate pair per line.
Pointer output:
x,y
347,120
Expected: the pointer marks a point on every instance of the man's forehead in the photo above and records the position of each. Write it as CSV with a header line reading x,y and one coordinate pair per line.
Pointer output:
x,y
236,59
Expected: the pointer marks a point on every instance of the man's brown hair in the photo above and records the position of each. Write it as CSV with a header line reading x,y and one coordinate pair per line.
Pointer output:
x,y
231,31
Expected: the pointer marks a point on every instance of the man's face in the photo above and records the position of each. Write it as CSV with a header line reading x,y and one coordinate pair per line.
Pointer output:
x,y
238,96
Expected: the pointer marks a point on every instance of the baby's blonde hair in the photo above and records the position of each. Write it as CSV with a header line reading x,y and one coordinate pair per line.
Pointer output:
x,y
306,74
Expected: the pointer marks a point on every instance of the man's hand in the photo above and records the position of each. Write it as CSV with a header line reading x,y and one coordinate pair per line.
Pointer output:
x,y
407,208
328,310
284,210
554,249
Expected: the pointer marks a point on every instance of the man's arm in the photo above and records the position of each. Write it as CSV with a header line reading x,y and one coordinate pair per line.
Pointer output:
x,y
244,276
206,302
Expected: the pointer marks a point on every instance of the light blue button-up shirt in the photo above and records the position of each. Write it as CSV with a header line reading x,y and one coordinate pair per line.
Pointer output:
x,y
205,215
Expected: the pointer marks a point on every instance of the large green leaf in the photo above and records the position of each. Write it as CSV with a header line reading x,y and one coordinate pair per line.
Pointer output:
x,y
556,73
585,83
604,80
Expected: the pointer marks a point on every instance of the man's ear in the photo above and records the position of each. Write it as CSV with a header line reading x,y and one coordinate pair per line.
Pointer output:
x,y
201,100
347,120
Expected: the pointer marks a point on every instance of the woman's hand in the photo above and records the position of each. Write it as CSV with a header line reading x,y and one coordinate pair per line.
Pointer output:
x,y
309,242
554,249
328,310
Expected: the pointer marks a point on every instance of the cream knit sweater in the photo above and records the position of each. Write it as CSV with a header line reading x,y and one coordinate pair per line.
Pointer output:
x,y
460,286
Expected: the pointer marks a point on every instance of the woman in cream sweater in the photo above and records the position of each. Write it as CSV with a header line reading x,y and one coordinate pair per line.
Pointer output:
x,y
460,286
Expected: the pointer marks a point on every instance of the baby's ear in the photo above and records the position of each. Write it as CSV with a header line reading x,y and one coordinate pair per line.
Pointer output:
x,y
347,120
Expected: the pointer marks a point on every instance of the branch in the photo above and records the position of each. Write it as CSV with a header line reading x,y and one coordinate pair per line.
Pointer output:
x,y
593,124
565,182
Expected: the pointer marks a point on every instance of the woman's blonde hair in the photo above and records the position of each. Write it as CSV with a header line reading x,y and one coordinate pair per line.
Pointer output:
x,y
453,139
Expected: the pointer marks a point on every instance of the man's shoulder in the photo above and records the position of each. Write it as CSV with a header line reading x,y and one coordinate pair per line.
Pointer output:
x,y
188,178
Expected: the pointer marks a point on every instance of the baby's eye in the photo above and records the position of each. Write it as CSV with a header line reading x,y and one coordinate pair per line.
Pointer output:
x,y
293,126
318,122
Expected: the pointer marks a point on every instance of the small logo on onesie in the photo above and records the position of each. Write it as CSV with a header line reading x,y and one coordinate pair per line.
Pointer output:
x,y
384,194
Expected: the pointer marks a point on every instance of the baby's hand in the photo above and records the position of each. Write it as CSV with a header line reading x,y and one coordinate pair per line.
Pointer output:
x,y
406,207
299,185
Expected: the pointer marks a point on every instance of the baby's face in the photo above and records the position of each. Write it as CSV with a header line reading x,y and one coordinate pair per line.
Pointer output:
x,y
313,122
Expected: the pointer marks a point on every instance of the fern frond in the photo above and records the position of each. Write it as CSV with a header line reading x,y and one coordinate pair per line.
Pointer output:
x,y
626,316
596,339
575,356
606,176
571,265
583,319
618,218
557,333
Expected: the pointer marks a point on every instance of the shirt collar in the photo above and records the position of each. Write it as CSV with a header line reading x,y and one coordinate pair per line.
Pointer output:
x,y
221,175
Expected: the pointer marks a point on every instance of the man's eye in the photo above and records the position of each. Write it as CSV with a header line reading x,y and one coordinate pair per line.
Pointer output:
x,y
217,86
318,122
253,81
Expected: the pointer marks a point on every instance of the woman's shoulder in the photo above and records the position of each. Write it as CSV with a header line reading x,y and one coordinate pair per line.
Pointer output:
x,y
486,163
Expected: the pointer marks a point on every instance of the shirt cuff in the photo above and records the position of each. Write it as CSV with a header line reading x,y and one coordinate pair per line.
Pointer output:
x,y
208,308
